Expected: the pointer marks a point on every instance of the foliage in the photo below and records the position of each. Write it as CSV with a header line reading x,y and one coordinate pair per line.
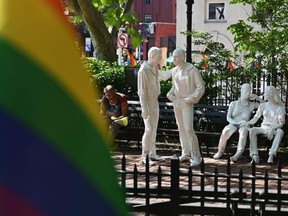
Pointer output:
x,y
102,73
215,70
103,19
266,44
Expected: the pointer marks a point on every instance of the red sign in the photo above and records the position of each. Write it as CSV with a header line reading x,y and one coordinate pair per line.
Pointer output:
x,y
122,40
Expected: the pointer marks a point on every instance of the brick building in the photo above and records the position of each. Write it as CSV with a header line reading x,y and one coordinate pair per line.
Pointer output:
x,y
157,22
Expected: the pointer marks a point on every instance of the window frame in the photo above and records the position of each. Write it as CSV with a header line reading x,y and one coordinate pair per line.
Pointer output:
x,y
224,12
147,18
147,1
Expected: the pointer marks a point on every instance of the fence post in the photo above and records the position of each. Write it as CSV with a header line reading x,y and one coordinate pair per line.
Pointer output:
x,y
253,188
279,183
147,186
123,173
228,171
174,190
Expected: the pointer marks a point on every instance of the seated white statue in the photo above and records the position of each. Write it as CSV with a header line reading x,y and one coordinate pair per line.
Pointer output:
x,y
273,112
239,112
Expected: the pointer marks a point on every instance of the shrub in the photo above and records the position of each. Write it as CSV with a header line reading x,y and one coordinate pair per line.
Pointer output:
x,y
103,73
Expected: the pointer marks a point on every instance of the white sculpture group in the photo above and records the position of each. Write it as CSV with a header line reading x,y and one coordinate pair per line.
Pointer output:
x,y
239,118
187,89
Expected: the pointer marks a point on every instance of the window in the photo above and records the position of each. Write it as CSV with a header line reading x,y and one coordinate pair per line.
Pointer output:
x,y
147,1
147,18
217,12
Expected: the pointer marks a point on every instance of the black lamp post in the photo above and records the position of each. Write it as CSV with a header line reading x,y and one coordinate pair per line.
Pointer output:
x,y
189,28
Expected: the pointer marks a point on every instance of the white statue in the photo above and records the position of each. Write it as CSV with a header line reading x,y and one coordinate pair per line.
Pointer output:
x,y
148,90
273,112
239,113
187,89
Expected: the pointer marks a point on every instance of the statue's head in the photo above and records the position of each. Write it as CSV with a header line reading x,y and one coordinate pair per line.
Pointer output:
x,y
179,56
154,56
271,93
245,91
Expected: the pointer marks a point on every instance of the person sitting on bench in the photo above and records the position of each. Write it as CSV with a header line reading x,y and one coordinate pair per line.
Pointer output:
x,y
114,108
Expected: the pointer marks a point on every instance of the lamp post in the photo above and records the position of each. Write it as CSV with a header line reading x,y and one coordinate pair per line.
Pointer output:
x,y
189,28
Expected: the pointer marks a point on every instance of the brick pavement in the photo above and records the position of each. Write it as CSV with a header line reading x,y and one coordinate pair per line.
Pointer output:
x,y
133,158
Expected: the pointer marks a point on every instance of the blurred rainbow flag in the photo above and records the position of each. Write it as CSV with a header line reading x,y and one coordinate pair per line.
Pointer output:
x,y
132,60
54,158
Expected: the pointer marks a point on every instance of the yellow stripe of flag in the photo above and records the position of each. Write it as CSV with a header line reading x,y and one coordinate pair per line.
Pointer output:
x,y
44,34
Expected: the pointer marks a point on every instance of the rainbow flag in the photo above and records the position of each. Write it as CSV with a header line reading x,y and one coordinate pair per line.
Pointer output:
x,y
132,60
230,64
54,157
205,61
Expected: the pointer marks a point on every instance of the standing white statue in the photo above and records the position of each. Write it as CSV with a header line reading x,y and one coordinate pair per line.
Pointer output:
x,y
239,113
187,89
149,78
273,112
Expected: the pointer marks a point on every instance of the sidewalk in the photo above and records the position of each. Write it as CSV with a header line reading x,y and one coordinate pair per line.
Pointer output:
x,y
133,157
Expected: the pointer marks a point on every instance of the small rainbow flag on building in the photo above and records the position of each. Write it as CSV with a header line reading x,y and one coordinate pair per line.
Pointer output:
x,y
54,157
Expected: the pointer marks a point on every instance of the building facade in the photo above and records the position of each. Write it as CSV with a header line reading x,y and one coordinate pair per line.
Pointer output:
x,y
212,16
157,23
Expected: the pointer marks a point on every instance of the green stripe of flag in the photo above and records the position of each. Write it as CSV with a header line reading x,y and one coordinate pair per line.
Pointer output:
x,y
57,118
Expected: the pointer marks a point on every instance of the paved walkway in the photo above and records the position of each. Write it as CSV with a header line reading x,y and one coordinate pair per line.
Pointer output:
x,y
133,158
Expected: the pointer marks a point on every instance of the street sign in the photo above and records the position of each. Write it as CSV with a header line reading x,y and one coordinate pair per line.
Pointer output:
x,y
122,40
88,44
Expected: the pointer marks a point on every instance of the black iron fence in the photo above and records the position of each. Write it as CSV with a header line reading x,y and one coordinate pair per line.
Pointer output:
x,y
221,88
177,192
230,88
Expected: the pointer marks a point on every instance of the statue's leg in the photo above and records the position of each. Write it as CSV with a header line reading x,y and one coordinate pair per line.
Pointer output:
x,y
275,145
225,135
193,144
186,153
253,132
149,136
243,133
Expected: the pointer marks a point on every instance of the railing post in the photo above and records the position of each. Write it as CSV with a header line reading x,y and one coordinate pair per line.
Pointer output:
x,y
159,180
279,183
123,173
228,171
202,180
253,188
174,193
147,186
135,180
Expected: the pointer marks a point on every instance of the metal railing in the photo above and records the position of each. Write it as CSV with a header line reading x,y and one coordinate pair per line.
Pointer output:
x,y
204,193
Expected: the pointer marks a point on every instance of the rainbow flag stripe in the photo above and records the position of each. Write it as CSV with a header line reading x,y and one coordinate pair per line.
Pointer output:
x,y
54,157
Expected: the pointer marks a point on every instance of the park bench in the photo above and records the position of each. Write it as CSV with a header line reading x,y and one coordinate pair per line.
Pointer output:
x,y
208,124
209,121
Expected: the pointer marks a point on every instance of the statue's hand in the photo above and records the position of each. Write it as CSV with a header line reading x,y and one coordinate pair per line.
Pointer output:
x,y
191,100
270,134
253,97
246,124
170,96
242,123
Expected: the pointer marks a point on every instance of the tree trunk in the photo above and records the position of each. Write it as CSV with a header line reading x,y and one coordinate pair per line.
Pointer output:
x,y
104,42
102,39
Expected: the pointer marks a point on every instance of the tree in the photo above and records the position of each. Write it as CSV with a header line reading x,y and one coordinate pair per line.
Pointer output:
x,y
103,18
268,45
